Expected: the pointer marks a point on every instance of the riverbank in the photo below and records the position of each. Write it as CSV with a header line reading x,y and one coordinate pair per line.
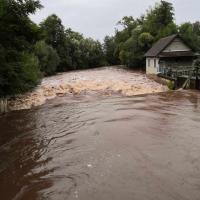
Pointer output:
x,y
106,80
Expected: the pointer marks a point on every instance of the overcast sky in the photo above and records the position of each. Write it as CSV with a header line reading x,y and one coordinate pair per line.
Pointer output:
x,y
97,18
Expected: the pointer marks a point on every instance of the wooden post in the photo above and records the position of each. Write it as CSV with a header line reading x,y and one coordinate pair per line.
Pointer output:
x,y
3,105
197,79
175,83
197,83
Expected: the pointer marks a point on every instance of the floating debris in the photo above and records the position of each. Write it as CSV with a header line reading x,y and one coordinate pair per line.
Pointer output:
x,y
89,165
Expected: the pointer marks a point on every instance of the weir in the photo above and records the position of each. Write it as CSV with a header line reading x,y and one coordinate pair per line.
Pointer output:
x,y
186,78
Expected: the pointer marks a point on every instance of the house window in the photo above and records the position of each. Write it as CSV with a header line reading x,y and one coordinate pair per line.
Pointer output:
x,y
154,63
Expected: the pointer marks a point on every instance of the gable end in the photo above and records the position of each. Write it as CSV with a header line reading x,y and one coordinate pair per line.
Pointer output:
x,y
177,45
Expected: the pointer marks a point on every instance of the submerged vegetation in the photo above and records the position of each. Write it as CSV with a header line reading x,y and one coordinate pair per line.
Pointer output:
x,y
29,51
170,85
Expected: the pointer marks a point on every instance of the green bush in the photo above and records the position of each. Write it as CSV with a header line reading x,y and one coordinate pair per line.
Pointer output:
x,y
19,70
19,77
170,85
48,58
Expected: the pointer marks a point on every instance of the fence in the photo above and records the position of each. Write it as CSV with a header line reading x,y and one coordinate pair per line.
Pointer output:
x,y
186,71
185,74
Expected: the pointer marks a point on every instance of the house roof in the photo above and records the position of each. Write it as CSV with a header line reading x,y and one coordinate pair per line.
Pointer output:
x,y
159,46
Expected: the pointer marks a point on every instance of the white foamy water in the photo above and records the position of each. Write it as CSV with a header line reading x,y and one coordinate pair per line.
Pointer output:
x,y
107,80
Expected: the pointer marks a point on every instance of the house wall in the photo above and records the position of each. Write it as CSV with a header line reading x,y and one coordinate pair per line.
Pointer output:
x,y
177,45
152,65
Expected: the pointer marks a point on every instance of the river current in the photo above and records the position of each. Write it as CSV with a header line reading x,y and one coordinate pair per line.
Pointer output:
x,y
97,147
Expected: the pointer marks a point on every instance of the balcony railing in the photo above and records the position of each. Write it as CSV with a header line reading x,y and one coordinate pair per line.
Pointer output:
x,y
181,71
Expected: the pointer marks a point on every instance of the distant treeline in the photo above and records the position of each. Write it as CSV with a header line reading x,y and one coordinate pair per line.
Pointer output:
x,y
29,51
129,45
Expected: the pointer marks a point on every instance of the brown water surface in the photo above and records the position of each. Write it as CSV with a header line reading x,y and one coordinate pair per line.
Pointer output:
x,y
103,148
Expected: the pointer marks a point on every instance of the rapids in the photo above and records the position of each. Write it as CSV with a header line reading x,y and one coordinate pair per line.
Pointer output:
x,y
107,80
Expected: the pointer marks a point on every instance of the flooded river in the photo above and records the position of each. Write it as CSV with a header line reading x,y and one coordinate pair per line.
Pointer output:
x,y
95,147
104,80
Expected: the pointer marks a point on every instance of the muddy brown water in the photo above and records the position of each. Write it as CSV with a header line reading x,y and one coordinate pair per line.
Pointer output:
x,y
103,148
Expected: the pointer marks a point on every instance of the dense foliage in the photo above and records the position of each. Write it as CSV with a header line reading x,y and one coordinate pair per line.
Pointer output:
x,y
138,35
48,58
19,70
29,51
75,51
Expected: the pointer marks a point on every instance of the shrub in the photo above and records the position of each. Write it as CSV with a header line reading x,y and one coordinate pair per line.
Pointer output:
x,y
19,77
170,85
48,58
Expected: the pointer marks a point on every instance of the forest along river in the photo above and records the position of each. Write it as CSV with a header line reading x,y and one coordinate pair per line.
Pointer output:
x,y
99,147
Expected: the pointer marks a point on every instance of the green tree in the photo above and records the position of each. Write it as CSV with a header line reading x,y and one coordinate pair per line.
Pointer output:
x,y
109,50
95,52
128,23
54,35
190,34
19,67
196,28
145,40
159,17
48,58
131,53
19,75
53,31
138,35
73,49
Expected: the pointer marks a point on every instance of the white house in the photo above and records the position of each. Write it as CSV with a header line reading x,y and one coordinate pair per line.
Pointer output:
x,y
168,52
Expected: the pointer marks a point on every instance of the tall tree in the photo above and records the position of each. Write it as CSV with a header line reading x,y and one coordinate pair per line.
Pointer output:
x,y
54,35
48,58
158,18
109,50
191,34
19,67
138,35
53,31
